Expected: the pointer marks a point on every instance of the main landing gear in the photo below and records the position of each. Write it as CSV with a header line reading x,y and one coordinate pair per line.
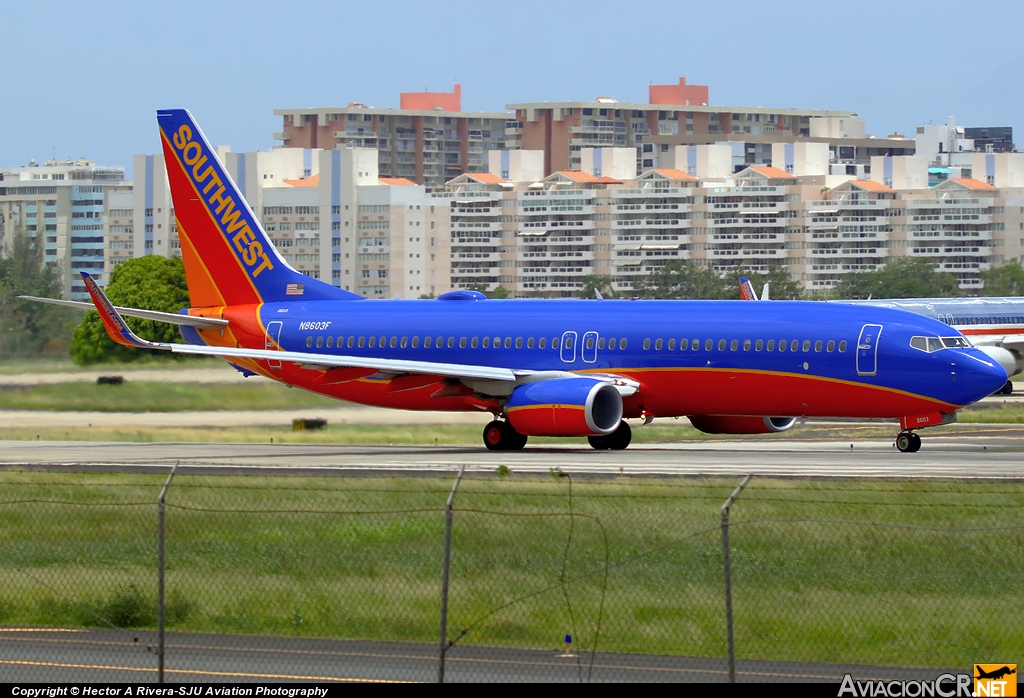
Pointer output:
x,y
500,436
615,441
908,442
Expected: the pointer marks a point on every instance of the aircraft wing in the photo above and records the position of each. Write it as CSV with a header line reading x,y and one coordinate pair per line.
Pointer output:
x,y
172,318
122,334
1010,341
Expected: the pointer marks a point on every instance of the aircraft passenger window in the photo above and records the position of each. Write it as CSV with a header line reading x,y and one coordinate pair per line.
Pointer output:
x,y
373,342
684,344
462,343
657,344
319,342
394,342
746,345
519,342
759,345
351,341
309,342
497,342
543,342
611,343
600,343
415,342
622,344
405,342
382,341
508,343
451,342
807,345
590,342
647,344
831,346
439,343
842,346
427,342
771,345
330,342
734,345
721,345
794,345
817,346
568,343
362,342
671,345
487,342
782,345
529,343
475,343
554,342
709,344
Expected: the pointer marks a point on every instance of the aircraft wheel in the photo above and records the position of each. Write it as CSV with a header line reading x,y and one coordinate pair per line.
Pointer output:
x,y
908,442
599,443
620,438
500,436
1007,389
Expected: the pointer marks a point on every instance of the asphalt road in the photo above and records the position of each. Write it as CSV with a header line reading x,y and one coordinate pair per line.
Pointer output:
x,y
988,451
130,656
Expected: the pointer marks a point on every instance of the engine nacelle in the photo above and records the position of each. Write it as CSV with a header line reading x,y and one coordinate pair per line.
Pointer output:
x,y
741,425
565,407
1010,360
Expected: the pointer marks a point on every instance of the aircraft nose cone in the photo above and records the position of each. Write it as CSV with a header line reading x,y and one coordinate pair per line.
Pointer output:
x,y
983,375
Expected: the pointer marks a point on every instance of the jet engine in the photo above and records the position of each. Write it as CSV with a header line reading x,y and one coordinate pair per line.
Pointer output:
x,y
565,407
741,425
1009,359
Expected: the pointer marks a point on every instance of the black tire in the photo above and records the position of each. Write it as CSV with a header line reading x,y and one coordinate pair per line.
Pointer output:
x,y
494,436
915,443
903,443
620,438
599,443
1007,389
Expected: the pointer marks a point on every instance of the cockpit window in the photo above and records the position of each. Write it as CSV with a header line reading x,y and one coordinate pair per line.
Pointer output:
x,y
934,344
930,344
956,342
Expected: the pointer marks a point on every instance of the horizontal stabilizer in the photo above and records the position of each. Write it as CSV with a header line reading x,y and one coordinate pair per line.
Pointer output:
x,y
171,318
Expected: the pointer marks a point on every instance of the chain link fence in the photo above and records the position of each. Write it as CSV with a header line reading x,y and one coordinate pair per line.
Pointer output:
x,y
509,578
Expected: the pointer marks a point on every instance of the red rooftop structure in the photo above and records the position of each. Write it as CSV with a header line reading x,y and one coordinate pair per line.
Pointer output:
x,y
440,101
681,94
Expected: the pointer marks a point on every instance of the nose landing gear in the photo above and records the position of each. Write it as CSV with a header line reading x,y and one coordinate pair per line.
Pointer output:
x,y
908,442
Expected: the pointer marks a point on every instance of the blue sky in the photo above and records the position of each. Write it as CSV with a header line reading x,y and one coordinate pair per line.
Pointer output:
x,y
85,78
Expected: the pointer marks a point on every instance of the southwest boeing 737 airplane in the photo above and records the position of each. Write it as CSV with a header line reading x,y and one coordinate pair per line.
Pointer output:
x,y
542,367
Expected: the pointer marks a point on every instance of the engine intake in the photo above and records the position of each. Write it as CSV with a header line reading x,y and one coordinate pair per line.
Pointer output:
x,y
741,425
565,407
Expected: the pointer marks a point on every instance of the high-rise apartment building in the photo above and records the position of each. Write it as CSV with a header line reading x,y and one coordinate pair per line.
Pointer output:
x,y
63,204
429,140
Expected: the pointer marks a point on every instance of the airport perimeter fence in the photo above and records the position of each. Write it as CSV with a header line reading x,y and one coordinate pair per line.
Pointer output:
x,y
338,578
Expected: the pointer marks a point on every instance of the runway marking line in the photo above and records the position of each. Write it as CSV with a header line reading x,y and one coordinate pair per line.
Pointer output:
x,y
231,674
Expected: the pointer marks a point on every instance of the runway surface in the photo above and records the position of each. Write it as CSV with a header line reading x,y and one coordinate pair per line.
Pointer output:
x,y
129,656
985,452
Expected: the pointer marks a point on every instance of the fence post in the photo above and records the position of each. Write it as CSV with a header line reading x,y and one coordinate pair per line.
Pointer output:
x,y
445,567
160,608
727,569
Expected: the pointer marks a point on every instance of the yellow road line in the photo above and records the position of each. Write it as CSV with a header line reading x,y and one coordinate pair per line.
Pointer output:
x,y
232,674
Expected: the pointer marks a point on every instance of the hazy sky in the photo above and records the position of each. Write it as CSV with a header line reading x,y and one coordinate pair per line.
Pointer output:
x,y
85,78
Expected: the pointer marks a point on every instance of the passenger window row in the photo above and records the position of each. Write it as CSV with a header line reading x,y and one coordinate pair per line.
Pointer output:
x,y
748,344
395,342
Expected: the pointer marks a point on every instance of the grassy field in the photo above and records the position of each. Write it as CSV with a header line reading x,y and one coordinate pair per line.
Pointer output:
x,y
865,571
66,365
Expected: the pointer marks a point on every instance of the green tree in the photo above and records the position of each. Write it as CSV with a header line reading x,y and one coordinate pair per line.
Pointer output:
x,y
27,327
680,279
1004,280
150,283
498,292
597,282
907,277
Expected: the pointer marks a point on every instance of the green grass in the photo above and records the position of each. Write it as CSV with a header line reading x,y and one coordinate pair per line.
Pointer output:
x,y
140,396
866,571
64,364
